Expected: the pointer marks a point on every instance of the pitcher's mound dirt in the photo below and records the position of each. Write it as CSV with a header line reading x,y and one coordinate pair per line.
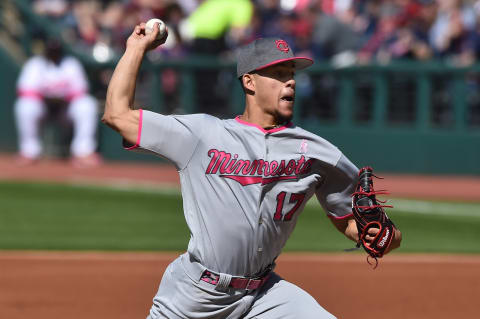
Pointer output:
x,y
81,285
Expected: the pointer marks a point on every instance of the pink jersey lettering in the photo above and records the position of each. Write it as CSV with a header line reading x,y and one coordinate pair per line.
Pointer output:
x,y
258,171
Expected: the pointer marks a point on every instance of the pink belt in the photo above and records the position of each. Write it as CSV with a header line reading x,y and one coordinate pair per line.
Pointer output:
x,y
237,282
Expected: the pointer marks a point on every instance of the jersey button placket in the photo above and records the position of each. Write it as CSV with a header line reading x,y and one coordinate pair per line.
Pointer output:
x,y
260,219
266,146
260,223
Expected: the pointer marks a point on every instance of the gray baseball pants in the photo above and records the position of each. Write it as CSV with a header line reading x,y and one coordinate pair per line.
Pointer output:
x,y
183,295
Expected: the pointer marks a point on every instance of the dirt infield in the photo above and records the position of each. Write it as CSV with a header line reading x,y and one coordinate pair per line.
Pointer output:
x,y
121,285
71,285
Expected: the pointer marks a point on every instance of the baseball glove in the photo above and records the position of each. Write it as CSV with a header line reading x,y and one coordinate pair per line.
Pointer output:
x,y
369,213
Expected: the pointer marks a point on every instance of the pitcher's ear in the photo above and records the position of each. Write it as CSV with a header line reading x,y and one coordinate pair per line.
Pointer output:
x,y
248,82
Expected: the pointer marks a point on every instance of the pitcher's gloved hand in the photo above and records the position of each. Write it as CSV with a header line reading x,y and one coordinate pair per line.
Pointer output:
x,y
375,229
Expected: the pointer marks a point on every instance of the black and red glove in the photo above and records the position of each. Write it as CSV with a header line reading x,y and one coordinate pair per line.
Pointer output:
x,y
369,213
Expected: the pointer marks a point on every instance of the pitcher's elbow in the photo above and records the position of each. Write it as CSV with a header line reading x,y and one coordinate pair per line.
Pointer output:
x,y
110,120
107,118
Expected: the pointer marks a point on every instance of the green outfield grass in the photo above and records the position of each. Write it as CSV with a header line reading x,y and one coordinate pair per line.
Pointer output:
x,y
66,217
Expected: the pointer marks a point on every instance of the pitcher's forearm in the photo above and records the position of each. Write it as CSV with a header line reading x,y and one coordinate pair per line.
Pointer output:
x,y
121,89
120,96
397,239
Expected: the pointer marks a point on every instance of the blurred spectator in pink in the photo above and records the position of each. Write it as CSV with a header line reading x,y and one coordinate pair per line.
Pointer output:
x,y
55,84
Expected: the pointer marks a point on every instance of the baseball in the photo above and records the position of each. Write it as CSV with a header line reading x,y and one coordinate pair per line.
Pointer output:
x,y
162,28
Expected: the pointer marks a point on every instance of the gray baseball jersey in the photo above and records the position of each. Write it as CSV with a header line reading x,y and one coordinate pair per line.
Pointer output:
x,y
244,187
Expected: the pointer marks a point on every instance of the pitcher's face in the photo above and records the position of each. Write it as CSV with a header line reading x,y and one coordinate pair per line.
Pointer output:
x,y
275,90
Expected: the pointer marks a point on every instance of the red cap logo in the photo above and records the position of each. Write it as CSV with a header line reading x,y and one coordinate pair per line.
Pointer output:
x,y
282,45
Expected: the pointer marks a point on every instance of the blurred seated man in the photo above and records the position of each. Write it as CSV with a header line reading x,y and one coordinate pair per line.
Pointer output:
x,y
55,84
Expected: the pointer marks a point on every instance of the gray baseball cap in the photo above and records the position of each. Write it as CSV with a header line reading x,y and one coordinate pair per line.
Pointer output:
x,y
265,52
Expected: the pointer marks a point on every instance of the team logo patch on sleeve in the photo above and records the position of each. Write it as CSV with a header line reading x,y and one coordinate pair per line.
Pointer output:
x,y
258,171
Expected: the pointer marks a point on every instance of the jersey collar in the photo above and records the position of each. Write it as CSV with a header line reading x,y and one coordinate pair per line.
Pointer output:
x,y
273,130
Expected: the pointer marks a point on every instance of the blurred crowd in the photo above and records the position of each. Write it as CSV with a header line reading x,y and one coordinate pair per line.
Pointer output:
x,y
343,31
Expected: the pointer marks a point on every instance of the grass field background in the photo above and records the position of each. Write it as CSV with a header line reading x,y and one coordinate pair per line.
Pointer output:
x,y
51,216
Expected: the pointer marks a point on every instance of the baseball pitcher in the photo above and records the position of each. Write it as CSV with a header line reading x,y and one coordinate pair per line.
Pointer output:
x,y
244,183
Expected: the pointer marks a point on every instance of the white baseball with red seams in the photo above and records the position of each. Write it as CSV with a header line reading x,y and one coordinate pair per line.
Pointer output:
x,y
243,189
162,28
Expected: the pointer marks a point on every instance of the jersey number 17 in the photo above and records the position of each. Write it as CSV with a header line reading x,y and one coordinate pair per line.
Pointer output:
x,y
296,198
